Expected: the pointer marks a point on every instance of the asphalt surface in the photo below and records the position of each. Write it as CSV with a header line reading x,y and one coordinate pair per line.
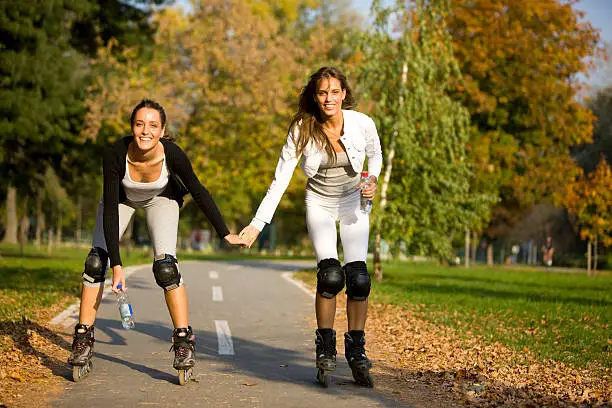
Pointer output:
x,y
268,361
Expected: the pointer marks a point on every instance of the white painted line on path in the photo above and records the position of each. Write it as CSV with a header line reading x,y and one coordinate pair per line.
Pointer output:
x,y
224,338
213,275
289,277
70,316
217,294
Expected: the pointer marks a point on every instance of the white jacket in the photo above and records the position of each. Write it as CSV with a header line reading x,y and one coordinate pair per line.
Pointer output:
x,y
360,139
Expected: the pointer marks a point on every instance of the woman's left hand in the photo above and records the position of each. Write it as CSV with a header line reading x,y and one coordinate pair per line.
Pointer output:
x,y
369,189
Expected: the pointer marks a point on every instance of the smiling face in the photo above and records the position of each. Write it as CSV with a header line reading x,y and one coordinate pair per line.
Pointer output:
x,y
147,129
330,96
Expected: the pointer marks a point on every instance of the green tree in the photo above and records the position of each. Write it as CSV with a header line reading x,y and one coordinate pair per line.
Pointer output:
x,y
42,83
589,155
128,22
45,71
425,185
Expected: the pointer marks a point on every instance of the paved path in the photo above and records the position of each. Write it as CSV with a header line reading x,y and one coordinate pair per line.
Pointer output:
x,y
255,346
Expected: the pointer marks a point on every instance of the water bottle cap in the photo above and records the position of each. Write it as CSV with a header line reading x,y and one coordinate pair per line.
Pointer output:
x,y
364,174
119,287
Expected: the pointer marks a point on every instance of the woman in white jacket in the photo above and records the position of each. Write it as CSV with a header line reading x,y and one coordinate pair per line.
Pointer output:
x,y
333,142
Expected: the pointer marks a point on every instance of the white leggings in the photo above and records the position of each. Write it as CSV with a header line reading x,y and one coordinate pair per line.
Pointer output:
x,y
162,216
322,213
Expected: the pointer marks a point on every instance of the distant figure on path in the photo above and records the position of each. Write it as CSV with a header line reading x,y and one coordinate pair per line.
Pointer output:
x,y
547,252
515,251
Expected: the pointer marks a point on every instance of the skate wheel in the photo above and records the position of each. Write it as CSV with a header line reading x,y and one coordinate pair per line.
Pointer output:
x,y
184,376
364,379
368,381
80,372
323,378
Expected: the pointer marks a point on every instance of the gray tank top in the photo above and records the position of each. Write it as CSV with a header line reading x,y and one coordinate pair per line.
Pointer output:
x,y
334,179
137,191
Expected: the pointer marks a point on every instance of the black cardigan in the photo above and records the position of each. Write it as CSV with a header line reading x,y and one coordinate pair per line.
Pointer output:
x,y
178,165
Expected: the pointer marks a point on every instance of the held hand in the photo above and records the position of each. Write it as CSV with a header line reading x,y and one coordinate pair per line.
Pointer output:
x,y
369,189
234,239
249,234
118,279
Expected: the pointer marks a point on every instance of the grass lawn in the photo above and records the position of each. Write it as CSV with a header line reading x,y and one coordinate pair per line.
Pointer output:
x,y
562,316
33,281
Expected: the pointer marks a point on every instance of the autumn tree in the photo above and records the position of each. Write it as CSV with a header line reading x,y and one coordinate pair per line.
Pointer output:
x,y
520,61
229,97
589,198
408,67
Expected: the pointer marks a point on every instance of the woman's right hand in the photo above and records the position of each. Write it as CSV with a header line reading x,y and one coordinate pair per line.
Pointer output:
x,y
249,234
118,279
234,239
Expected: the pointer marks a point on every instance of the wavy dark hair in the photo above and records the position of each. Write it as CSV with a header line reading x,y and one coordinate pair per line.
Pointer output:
x,y
151,104
308,119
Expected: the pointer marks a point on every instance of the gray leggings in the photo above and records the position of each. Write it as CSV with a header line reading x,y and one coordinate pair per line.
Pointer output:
x,y
162,216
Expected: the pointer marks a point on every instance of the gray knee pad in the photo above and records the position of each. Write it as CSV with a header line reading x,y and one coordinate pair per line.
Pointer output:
x,y
357,280
166,272
330,278
95,265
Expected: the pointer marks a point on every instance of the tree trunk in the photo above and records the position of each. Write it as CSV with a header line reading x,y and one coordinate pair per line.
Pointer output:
x,y
49,242
589,258
596,255
79,220
378,271
58,230
466,255
10,234
40,219
474,247
490,254
24,226
128,235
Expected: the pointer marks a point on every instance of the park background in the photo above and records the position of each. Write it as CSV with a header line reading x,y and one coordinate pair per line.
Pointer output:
x,y
494,118
499,131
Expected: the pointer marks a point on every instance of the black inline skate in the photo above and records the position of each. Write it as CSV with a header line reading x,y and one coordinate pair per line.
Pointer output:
x,y
183,344
326,354
354,348
82,351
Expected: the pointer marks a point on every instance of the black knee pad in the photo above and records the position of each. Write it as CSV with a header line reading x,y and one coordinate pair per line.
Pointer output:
x,y
330,278
95,265
357,280
166,272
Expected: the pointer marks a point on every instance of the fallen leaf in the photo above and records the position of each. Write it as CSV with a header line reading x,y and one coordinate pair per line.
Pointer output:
x,y
17,377
249,384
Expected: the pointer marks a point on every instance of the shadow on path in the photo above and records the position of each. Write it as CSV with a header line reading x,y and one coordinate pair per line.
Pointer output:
x,y
253,360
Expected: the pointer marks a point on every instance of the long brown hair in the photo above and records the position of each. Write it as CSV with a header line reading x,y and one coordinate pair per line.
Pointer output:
x,y
308,119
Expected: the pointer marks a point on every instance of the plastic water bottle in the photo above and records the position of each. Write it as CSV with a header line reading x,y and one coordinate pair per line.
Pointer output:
x,y
125,310
366,203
